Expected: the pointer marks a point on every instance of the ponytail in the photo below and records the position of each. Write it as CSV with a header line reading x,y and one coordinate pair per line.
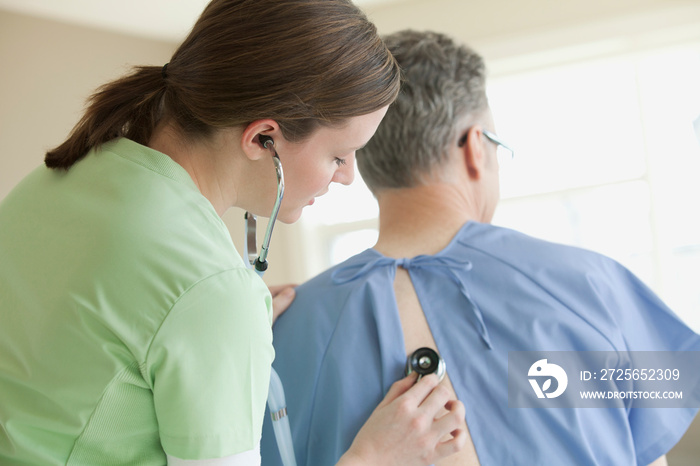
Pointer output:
x,y
302,63
128,107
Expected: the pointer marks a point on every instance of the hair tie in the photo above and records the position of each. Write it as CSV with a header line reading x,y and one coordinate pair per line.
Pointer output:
x,y
164,71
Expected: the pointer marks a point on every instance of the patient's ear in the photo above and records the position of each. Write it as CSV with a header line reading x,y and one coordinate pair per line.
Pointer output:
x,y
474,153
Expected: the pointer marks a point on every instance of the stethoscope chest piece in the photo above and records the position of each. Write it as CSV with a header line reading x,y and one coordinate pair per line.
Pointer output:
x,y
425,361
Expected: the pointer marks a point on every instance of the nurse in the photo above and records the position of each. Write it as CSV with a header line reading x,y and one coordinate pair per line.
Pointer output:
x,y
131,332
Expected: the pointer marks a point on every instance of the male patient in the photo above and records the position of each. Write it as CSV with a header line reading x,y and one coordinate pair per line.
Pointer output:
x,y
441,276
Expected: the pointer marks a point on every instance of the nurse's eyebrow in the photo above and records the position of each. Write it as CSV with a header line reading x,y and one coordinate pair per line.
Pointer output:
x,y
359,148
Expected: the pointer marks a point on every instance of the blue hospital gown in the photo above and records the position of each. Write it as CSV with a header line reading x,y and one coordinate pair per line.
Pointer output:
x,y
490,291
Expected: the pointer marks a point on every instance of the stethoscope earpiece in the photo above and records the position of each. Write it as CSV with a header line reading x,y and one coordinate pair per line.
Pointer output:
x,y
266,141
425,361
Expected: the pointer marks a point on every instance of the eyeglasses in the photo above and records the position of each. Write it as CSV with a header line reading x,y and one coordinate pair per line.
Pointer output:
x,y
503,151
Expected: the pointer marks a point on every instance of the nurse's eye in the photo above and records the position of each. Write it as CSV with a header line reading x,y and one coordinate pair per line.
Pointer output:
x,y
340,162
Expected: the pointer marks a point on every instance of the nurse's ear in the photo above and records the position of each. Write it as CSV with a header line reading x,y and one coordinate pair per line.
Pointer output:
x,y
255,134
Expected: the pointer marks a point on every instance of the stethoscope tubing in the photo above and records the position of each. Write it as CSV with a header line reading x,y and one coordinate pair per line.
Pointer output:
x,y
275,400
259,262
264,250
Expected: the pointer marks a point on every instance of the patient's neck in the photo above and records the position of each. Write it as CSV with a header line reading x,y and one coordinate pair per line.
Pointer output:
x,y
421,220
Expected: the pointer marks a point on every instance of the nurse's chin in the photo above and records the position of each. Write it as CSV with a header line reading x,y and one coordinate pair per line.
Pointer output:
x,y
290,217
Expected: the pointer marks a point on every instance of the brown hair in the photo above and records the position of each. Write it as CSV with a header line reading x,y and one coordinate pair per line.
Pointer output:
x,y
303,63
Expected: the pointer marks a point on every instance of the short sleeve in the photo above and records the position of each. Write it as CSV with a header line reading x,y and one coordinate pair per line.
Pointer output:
x,y
647,324
209,366
645,321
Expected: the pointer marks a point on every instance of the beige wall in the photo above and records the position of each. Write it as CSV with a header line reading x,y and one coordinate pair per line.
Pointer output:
x,y
48,69
506,28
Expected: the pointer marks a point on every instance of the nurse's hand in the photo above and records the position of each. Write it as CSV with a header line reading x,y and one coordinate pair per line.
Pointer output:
x,y
403,429
282,297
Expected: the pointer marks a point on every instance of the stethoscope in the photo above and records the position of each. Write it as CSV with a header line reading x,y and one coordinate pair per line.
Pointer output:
x,y
258,262
424,361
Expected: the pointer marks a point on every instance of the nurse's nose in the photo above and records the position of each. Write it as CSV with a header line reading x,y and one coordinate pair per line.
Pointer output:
x,y
345,174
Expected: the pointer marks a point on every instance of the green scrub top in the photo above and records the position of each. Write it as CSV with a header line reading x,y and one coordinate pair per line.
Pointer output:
x,y
129,325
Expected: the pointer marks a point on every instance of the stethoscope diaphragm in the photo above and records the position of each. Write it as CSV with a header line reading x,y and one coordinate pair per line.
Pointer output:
x,y
425,361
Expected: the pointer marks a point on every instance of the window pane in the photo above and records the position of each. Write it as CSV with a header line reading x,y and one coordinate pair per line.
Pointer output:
x,y
670,89
346,245
613,220
669,86
681,274
343,204
571,126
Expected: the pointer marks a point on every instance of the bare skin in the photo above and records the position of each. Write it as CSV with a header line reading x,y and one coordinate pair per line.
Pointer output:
x,y
417,335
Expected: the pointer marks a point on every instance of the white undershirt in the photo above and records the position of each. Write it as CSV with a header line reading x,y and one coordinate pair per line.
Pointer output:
x,y
247,458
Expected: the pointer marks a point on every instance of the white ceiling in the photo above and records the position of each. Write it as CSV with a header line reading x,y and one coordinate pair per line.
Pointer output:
x,y
160,19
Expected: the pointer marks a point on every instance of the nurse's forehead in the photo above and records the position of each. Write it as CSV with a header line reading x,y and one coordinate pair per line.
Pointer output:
x,y
355,132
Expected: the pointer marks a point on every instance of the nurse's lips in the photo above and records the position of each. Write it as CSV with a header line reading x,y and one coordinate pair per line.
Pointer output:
x,y
318,195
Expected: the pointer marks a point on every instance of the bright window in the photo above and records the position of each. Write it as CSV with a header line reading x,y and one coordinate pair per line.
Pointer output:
x,y
606,159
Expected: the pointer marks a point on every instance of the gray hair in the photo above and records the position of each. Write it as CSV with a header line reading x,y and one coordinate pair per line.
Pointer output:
x,y
443,83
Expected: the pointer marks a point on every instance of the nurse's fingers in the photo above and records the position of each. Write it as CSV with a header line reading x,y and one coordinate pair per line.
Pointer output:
x,y
452,446
402,432
438,397
421,390
398,388
452,423
282,297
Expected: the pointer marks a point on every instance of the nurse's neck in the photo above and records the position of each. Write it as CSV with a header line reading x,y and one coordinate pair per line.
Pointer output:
x,y
209,163
422,219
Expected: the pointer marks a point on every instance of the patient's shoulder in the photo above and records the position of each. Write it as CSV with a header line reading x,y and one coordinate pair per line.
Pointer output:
x,y
520,249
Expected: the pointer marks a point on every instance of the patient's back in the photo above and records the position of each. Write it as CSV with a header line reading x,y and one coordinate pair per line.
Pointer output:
x,y
416,333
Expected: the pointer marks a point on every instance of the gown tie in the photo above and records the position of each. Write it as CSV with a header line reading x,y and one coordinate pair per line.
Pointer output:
x,y
441,264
